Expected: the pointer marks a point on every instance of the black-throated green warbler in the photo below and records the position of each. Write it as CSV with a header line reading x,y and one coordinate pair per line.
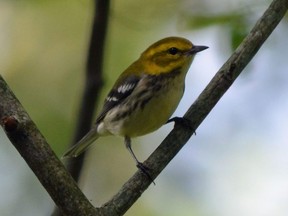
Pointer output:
x,y
145,95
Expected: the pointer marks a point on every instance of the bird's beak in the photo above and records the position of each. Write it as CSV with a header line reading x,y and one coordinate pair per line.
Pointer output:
x,y
195,49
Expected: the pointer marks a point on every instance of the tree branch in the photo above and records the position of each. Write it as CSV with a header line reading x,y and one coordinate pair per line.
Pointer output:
x,y
34,149
221,82
37,153
93,82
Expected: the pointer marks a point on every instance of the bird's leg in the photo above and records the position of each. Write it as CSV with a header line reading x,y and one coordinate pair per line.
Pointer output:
x,y
183,121
139,165
127,141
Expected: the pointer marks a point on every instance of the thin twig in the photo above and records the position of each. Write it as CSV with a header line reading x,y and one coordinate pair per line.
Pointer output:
x,y
93,82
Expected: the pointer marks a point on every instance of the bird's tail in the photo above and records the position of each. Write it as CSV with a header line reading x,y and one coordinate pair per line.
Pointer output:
x,y
82,145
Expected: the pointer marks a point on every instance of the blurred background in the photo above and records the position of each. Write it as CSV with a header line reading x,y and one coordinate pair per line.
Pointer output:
x,y
237,164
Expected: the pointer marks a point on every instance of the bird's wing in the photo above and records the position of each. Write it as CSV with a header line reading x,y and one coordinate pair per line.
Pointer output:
x,y
118,93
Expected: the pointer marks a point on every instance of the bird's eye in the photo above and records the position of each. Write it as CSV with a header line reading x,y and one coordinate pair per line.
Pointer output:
x,y
173,50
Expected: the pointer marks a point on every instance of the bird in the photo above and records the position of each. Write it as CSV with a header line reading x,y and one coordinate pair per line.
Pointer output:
x,y
144,96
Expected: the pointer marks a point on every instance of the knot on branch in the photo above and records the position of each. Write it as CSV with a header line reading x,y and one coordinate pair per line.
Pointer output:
x,y
10,123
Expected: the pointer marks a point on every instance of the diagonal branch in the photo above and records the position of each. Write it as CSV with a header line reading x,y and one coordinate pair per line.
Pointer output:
x,y
32,146
37,153
221,82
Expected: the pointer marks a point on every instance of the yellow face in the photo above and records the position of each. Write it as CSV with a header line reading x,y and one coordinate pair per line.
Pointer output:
x,y
163,57
168,54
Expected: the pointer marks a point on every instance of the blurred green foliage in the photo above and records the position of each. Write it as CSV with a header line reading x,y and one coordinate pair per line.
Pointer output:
x,y
43,56
236,23
45,47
